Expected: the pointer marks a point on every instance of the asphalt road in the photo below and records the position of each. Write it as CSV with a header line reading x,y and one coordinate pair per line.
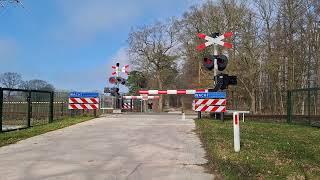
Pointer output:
x,y
113,147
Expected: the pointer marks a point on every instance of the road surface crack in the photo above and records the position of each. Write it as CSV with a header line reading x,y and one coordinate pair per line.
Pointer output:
x,y
135,169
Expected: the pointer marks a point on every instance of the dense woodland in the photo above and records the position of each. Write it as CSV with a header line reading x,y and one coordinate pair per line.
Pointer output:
x,y
276,48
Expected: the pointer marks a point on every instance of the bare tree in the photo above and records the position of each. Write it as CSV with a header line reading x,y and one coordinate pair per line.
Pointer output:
x,y
153,50
3,3
37,84
276,48
10,79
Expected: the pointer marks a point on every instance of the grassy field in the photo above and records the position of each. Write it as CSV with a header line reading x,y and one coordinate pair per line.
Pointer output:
x,y
268,150
15,136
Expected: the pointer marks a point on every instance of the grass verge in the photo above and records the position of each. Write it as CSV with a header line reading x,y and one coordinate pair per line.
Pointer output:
x,y
268,150
15,136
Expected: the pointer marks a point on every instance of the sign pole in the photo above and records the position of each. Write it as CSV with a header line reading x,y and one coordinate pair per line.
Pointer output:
x,y
215,72
215,53
199,114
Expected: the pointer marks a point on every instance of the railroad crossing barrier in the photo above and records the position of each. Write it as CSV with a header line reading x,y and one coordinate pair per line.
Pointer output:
x,y
141,97
181,91
84,101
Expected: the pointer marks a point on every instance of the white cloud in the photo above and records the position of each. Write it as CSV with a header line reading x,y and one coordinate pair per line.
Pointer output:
x,y
120,56
7,50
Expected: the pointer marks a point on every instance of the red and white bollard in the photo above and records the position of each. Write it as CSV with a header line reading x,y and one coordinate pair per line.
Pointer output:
x,y
236,131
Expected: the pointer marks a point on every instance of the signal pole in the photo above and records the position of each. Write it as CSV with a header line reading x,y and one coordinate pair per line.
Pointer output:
x,y
217,62
117,80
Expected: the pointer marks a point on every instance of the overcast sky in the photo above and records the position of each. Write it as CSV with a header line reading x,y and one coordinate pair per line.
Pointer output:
x,y
73,43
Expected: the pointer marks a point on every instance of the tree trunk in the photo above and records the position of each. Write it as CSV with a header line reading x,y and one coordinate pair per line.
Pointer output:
x,y
253,102
161,97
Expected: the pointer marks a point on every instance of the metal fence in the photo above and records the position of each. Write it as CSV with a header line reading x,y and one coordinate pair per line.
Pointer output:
x,y
303,106
24,108
21,108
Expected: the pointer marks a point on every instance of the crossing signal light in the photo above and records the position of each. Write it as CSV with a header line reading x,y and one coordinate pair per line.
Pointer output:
x,y
115,80
106,90
222,62
112,80
223,81
121,80
208,63
114,91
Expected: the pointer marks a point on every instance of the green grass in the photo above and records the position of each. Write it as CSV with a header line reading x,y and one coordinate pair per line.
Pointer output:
x,y
268,150
15,136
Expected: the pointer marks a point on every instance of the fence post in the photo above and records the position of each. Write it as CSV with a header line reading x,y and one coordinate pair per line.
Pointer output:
x,y
51,107
62,109
95,113
199,114
29,109
1,106
289,106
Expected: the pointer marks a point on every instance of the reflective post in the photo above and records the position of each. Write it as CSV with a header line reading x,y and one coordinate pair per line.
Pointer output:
x,y
236,131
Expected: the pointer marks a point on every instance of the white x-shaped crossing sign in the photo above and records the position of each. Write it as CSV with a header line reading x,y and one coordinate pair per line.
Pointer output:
x,y
117,70
217,40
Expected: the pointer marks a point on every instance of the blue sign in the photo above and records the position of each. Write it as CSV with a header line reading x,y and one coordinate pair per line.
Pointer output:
x,y
211,95
83,95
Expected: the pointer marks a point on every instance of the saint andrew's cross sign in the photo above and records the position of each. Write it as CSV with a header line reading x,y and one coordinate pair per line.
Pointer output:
x,y
217,40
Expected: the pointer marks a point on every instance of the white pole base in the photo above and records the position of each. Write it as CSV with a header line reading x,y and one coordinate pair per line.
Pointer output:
x,y
183,116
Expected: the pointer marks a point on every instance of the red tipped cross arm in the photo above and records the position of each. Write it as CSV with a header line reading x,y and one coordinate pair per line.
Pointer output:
x,y
217,40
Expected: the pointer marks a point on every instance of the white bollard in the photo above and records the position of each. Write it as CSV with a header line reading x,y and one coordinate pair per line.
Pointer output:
x,y
236,131
183,116
242,117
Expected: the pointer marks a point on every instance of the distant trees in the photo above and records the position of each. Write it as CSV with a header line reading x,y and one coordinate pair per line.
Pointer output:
x,y
14,80
10,80
37,84
153,51
136,81
276,48
3,3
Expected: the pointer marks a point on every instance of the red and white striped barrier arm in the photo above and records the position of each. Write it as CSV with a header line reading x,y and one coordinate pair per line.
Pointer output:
x,y
84,100
204,108
217,40
211,102
141,97
83,106
186,91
